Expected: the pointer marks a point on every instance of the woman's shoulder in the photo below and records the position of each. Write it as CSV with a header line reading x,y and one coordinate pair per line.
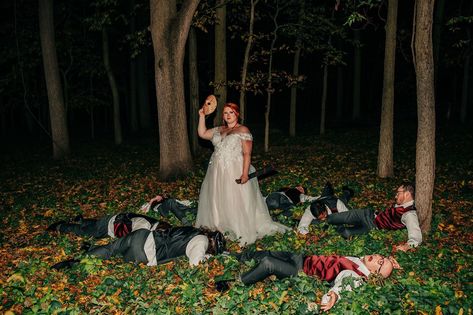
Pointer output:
x,y
243,129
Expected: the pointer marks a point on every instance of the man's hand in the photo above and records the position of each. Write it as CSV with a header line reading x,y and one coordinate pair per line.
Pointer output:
x,y
402,247
331,302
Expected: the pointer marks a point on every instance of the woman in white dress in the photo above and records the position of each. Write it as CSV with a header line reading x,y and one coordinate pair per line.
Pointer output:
x,y
238,210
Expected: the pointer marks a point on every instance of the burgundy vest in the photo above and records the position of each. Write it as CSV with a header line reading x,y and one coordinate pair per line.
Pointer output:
x,y
390,219
328,267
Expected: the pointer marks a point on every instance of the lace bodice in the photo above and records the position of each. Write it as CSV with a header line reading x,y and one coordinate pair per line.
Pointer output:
x,y
228,148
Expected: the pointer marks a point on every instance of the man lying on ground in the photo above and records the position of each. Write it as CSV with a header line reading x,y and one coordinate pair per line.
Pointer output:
x,y
118,225
400,215
164,205
329,268
160,246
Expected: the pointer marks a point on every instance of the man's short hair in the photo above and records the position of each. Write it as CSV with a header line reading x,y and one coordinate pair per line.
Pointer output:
x,y
410,187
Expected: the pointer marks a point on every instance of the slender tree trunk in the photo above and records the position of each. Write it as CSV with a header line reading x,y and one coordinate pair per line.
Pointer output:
x,y
220,76
169,31
323,102
246,60
117,126
385,148
269,80
292,110
194,91
57,113
425,147
357,76
295,73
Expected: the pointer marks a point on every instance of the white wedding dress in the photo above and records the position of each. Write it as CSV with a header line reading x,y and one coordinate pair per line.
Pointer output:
x,y
237,210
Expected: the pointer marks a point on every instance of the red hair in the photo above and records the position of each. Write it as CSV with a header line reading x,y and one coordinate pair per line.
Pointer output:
x,y
234,107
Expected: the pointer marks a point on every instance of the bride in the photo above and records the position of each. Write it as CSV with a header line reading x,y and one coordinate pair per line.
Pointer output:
x,y
237,209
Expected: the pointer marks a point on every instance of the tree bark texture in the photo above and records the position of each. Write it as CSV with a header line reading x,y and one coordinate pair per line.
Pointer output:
x,y
194,91
57,112
385,148
292,110
169,31
425,147
246,59
220,67
117,126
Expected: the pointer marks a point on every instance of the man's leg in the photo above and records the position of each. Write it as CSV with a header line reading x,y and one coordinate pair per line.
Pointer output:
x,y
131,247
177,208
353,217
280,264
347,232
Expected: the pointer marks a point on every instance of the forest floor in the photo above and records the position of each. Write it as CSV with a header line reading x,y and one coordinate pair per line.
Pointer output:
x,y
437,277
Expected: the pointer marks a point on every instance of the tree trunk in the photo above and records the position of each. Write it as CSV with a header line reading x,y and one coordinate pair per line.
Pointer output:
x,y
292,111
220,75
194,91
57,113
169,30
269,79
425,147
295,73
385,148
246,60
357,76
323,102
117,126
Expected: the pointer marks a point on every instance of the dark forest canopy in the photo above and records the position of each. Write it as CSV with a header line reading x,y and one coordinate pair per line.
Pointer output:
x,y
327,34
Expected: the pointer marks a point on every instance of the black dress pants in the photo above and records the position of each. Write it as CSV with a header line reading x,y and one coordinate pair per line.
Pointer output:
x,y
360,221
280,264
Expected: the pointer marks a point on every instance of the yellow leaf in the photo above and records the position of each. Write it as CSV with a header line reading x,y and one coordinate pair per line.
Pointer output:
x,y
49,213
438,310
16,277
460,312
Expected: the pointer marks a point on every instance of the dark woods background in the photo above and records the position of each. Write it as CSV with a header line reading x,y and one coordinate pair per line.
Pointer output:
x,y
332,40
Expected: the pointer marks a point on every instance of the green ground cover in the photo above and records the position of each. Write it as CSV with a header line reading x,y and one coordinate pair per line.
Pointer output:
x,y
436,278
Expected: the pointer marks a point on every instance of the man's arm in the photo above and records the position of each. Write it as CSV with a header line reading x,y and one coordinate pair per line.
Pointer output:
x,y
305,221
196,249
414,234
333,295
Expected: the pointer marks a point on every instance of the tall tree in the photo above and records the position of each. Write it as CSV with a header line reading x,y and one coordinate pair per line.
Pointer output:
x,y
425,147
57,113
117,125
246,58
220,75
295,73
269,77
169,30
385,148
